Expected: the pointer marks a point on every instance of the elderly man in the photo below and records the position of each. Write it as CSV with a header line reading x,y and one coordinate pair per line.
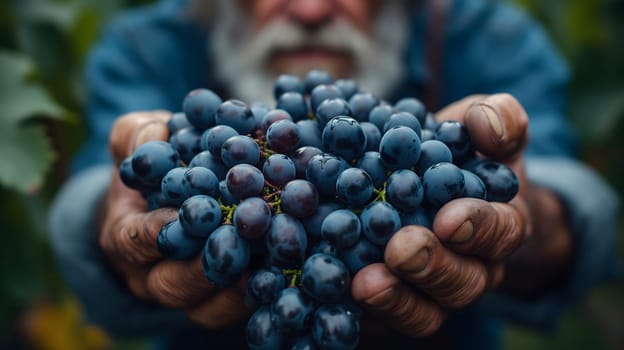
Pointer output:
x,y
446,288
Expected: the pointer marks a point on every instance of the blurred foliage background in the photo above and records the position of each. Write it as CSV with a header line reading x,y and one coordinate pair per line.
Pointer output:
x,y
43,44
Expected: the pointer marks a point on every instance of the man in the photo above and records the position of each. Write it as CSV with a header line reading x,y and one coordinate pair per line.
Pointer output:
x,y
542,250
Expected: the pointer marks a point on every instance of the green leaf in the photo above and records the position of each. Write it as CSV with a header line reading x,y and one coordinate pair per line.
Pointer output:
x,y
21,99
25,158
26,153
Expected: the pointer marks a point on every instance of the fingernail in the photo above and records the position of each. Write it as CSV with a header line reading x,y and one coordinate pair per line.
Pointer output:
x,y
463,233
151,131
380,299
494,121
417,262
133,233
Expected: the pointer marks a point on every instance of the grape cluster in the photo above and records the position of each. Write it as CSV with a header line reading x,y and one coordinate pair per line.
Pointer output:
x,y
304,195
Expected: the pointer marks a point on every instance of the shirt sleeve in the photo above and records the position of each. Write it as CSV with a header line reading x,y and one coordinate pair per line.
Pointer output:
x,y
143,61
491,48
106,301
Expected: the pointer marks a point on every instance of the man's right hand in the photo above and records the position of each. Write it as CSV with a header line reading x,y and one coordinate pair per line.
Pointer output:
x,y
128,234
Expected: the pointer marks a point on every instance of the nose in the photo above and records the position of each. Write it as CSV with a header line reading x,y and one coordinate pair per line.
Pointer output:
x,y
311,13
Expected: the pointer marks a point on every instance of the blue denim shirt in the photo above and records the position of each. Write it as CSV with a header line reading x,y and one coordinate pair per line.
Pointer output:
x,y
151,57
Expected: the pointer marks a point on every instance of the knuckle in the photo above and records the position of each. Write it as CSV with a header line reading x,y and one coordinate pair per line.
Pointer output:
x,y
164,291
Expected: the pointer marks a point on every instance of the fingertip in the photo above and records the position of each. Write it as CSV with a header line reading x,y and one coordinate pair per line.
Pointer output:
x,y
453,222
371,281
409,250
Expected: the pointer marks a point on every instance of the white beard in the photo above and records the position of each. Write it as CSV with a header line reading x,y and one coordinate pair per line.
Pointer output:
x,y
241,56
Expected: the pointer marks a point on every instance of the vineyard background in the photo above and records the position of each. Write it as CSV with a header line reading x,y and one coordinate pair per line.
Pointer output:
x,y
43,44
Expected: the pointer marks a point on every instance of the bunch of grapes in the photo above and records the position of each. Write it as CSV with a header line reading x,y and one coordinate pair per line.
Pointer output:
x,y
304,195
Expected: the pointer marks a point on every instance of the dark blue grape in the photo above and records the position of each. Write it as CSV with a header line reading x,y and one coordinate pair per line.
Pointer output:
x,y
324,247
283,136
325,278
348,87
287,83
225,257
417,217
443,182
361,254
226,197
299,198
302,343
404,190
244,180
236,113
265,284
175,245
413,106
380,115
207,160
186,142
313,223
293,310
474,188
278,170
259,110
262,333
273,116
500,181
152,161
373,136
295,104
212,139
128,177
361,105
426,135
432,152
171,186
335,327
177,122
341,228
380,221
323,170
240,149
430,123
286,240
344,136
200,180
323,92
309,133
456,137
371,163
403,119
331,108
200,215
252,217
156,199
399,148
200,106
354,187
315,78
302,156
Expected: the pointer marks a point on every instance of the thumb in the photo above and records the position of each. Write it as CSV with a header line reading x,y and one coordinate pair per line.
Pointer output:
x,y
134,129
498,127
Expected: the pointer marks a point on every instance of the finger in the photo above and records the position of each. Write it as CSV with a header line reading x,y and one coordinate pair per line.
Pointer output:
x,y
179,284
489,230
133,237
134,129
457,110
498,127
415,254
389,298
226,308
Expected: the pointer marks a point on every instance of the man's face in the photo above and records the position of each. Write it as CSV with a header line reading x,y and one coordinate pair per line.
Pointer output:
x,y
312,16
253,41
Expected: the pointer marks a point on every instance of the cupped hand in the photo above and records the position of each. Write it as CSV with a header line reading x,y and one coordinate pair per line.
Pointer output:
x,y
428,272
128,239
